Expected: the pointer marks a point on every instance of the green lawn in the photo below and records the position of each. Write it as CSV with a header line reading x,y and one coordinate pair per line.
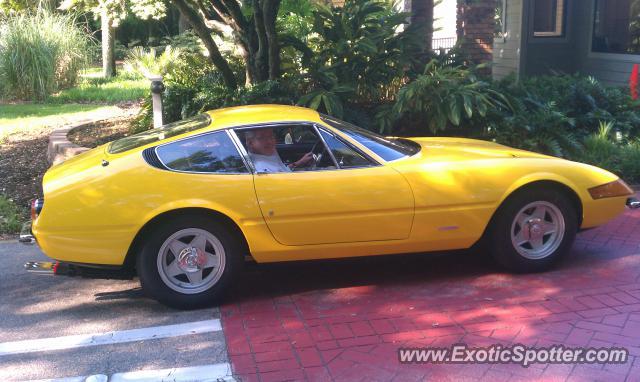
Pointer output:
x,y
96,89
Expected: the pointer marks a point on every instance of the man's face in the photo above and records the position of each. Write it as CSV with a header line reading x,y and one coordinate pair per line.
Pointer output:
x,y
263,142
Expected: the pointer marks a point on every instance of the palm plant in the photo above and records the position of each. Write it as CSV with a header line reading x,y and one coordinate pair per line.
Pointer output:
x,y
144,62
446,95
359,55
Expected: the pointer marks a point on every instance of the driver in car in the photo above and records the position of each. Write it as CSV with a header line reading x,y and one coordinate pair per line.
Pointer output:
x,y
261,144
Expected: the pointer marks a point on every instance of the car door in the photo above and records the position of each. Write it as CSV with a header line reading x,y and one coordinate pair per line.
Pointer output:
x,y
346,198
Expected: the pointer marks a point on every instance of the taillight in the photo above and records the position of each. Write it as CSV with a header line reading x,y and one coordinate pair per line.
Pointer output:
x,y
36,207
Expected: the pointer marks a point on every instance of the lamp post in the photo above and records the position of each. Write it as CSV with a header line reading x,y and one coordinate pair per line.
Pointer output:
x,y
157,87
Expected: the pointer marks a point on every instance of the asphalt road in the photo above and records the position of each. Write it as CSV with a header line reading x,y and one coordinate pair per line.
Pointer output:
x,y
48,307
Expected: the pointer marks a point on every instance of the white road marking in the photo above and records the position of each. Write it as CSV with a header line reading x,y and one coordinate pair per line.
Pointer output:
x,y
83,340
216,372
90,378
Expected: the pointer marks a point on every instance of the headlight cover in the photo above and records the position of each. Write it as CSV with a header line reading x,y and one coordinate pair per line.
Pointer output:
x,y
611,189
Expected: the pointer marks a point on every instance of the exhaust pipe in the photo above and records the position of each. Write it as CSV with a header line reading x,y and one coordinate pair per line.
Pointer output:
x,y
58,268
50,268
633,203
40,267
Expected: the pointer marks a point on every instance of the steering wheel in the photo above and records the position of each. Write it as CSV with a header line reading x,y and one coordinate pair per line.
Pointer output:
x,y
316,151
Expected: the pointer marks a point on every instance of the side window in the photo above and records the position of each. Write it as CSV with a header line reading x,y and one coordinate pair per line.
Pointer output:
x,y
346,157
213,153
285,148
295,134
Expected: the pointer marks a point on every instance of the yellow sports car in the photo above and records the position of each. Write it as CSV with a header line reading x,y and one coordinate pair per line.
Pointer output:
x,y
184,205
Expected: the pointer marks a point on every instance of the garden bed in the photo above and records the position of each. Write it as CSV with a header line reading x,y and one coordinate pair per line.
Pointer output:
x,y
96,134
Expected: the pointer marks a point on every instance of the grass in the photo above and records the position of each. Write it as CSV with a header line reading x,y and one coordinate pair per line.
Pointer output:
x,y
95,89
23,118
42,51
10,217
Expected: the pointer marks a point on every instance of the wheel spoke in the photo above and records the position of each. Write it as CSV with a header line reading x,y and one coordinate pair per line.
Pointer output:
x,y
212,260
194,277
550,228
176,247
536,242
199,242
173,269
523,220
519,238
540,212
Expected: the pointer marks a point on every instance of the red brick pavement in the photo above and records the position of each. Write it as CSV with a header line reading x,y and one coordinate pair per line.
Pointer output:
x,y
345,320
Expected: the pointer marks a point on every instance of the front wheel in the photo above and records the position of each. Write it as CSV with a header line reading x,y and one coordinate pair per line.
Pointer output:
x,y
533,230
189,262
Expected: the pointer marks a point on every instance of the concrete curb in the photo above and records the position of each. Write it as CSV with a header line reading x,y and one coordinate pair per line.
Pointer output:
x,y
60,148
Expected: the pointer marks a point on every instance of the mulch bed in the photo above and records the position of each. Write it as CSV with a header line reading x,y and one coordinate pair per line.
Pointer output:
x,y
99,133
23,157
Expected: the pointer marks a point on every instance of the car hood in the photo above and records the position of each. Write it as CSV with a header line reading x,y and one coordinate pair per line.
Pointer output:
x,y
452,149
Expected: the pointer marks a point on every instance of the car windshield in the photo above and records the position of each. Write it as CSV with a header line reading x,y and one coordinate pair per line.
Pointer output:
x,y
166,131
386,148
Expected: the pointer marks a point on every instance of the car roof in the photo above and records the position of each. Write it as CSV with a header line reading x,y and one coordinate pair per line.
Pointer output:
x,y
254,114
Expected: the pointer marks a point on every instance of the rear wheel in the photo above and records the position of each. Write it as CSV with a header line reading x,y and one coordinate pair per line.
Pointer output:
x,y
533,230
189,262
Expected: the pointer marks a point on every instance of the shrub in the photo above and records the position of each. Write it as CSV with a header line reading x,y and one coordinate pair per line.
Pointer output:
x,y
358,57
603,149
447,96
583,99
10,220
40,53
555,114
141,62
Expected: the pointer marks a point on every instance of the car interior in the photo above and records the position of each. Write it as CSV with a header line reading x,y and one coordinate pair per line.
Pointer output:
x,y
293,142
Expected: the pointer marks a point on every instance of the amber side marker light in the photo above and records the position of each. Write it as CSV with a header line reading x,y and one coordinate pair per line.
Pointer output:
x,y
610,190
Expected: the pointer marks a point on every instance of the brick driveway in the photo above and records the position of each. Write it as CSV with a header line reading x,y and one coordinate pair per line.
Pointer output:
x,y
345,320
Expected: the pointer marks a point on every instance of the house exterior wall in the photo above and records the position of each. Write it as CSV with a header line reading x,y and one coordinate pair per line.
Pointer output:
x,y
609,68
507,50
544,55
524,54
475,28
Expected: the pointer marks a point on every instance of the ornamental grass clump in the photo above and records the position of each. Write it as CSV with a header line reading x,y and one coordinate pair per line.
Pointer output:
x,y
41,53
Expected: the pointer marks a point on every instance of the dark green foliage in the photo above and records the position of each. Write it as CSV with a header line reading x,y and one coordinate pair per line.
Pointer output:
x,y
603,149
358,55
582,99
448,97
554,114
10,216
208,92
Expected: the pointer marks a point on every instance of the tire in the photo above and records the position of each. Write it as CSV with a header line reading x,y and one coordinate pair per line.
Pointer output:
x,y
192,277
533,230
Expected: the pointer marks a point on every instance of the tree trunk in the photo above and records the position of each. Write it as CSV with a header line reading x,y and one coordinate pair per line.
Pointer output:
x,y
108,47
270,12
183,24
422,15
262,54
201,29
